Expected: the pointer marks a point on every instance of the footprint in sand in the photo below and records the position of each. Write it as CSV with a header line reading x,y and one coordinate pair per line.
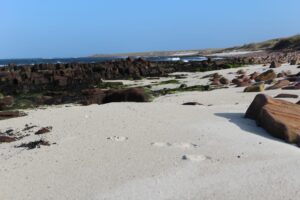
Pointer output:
x,y
117,138
194,158
175,145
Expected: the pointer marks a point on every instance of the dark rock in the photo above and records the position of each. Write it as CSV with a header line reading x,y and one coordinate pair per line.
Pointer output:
x,y
126,95
279,84
224,81
183,85
93,96
43,130
287,96
280,118
33,145
294,62
192,104
6,102
275,64
11,114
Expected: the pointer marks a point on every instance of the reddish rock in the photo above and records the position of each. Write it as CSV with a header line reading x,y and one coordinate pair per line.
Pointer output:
x,y
283,95
7,139
280,118
266,76
216,82
279,84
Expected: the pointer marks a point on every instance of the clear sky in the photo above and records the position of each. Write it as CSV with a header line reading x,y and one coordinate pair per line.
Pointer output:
x,y
71,28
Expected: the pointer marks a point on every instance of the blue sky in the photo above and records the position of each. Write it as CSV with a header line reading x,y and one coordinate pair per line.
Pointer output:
x,y
71,28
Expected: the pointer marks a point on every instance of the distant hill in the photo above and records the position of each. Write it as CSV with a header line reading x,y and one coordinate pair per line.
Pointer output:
x,y
280,44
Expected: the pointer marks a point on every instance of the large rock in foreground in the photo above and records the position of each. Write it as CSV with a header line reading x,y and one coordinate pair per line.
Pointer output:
x,y
280,118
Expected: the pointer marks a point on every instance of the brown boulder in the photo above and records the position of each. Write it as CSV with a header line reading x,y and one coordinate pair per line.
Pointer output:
x,y
93,96
11,114
266,76
280,118
7,139
126,95
279,84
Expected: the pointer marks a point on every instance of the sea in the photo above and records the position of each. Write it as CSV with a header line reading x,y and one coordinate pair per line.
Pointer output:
x,y
32,61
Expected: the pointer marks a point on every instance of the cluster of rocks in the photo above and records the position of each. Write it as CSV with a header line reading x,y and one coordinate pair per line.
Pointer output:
x,y
280,118
12,135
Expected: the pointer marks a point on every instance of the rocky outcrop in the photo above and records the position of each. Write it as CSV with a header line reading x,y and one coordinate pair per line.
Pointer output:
x,y
278,117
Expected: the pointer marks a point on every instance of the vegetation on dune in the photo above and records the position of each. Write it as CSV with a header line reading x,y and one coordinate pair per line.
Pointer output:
x,y
289,43
173,81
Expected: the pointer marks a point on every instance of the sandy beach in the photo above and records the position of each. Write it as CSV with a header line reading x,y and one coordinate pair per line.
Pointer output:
x,y
158,150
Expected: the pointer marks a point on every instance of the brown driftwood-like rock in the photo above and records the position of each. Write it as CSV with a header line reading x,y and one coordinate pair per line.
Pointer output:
x,y
11,114
279,84
280,118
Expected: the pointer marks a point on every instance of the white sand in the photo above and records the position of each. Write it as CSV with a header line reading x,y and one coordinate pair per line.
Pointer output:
x,y
159,150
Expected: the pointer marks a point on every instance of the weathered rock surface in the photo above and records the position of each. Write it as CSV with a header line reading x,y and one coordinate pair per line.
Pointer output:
x,y
278,117
279,84
266,76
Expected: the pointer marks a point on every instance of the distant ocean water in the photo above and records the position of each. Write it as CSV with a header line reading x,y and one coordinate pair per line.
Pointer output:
x,y
32,61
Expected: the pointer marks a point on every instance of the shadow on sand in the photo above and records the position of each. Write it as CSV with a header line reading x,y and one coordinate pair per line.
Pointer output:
x,y
247,124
